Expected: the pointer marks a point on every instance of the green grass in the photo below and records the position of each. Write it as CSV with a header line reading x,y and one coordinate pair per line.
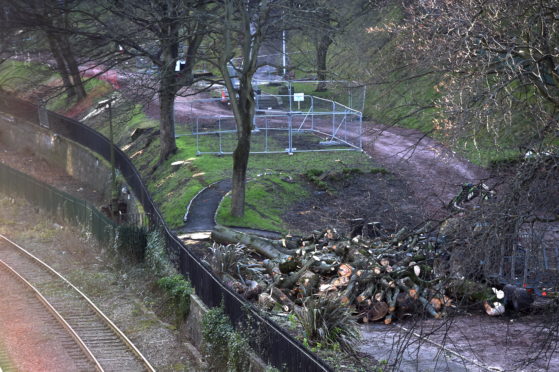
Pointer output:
x,y
22,76
172,189
268,198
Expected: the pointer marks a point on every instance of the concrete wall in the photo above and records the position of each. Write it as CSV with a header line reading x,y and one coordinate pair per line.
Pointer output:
x,y
78,161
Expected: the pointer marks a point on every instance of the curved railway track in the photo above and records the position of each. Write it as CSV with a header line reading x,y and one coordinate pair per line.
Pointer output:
x,y
98,340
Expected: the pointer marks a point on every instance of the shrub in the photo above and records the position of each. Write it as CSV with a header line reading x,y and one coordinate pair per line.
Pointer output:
x,y
131,241
156,257
327,322
224,258
225,349
179,289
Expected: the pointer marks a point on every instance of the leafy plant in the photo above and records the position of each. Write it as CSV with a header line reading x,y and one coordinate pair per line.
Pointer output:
x,y
179,289
326,322
225,348
224,258
131,241
316,177
157,258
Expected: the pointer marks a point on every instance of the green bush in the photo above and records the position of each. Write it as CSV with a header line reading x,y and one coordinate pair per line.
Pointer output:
x,y
157,259
313,173
179,289
131,241
225,348
315,177
327,323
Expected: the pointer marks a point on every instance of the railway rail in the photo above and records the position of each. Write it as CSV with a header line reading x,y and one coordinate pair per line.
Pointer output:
x,y
101,343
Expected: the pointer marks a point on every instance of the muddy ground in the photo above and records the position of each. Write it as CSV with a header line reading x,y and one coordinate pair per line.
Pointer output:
x,y
377,197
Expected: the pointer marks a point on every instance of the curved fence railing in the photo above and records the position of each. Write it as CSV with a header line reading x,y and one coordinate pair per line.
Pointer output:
x,y
59,203
271,342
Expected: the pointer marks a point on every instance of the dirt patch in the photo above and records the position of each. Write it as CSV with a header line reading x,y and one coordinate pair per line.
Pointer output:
x,y
373,197
431,171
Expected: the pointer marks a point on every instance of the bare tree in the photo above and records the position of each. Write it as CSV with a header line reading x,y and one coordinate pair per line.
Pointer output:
x,y
322,21
501,60
158,31
49,19
239,29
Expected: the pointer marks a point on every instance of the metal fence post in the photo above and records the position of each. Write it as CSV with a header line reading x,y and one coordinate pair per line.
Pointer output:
x,y
219,129
333,119
197,136
290,132
312,113
361,131
266,136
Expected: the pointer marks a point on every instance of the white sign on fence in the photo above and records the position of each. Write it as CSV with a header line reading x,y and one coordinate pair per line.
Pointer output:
x,y
298,97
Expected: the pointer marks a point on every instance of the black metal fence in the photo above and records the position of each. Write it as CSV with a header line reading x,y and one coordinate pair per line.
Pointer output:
x,y
63,205
272,343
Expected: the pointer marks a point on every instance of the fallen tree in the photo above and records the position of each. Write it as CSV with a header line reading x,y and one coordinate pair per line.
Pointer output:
x,y
379,277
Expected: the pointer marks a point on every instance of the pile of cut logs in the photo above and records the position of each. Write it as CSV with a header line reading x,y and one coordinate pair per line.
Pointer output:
x,y
381,277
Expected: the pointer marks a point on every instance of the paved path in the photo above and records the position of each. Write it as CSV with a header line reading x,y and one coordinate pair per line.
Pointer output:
x,y
200,215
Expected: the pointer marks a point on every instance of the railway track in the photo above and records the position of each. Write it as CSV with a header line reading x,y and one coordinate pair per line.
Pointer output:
x,y
98,340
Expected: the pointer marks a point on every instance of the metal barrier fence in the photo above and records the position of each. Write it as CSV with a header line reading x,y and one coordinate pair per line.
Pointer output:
x,y
280,125
272,343
56,202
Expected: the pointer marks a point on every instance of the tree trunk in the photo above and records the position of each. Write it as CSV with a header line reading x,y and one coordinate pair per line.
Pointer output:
x,y
168,145
240,163
322,45
61,66
267,248
73,67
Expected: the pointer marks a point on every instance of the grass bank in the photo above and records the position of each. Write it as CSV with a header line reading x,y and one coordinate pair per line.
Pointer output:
x,y
269,195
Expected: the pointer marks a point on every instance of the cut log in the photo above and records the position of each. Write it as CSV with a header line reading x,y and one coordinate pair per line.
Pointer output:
x,y
368,292
266,247
429,308
348,296
289,265
283,299
345,270
405,305
377,311
266,301
391,297
324,268
253,290
289,281
308,281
